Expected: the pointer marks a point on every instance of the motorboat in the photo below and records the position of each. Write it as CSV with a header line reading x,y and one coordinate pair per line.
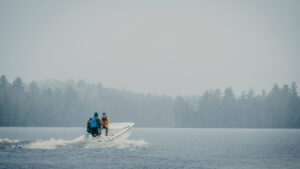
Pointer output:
x,y
115,131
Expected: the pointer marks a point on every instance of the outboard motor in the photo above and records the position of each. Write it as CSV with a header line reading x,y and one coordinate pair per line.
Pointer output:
x,y
87,136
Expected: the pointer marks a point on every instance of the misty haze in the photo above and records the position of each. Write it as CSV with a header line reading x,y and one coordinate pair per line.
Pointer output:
x,y
150,84
70,103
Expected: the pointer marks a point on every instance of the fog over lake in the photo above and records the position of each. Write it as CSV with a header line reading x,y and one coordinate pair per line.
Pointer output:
x,y
161,47
156,63
206,84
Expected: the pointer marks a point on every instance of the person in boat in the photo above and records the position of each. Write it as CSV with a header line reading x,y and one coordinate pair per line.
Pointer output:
x,y
95,125
88,126
105,122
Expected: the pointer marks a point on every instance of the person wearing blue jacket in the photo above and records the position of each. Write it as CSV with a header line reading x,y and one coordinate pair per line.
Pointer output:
x,y
95,125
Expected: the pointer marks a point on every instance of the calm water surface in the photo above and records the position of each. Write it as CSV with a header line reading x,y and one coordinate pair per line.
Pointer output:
x,y
152,148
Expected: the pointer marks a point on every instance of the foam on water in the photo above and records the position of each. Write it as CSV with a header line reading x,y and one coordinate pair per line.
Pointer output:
x,y
52,143
8,141
47,144
55,143
122,142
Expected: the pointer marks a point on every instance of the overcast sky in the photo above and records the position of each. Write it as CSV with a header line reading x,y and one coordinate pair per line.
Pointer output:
x,y
157,46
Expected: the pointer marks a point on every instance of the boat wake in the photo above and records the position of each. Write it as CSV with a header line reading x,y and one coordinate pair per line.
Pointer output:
x,y
59,143
47,144
8,141
118,138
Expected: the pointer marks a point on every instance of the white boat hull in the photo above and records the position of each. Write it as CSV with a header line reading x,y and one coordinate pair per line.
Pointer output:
x,y
115,131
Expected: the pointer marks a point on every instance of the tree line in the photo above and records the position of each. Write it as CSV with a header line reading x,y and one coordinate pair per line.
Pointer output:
x,y
71,103
279,108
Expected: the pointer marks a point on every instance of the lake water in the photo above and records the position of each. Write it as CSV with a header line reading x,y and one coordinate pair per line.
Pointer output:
x,y
152,148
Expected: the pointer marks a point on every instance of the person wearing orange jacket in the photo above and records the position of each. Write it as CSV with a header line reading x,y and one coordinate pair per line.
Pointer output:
x,y
104,122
